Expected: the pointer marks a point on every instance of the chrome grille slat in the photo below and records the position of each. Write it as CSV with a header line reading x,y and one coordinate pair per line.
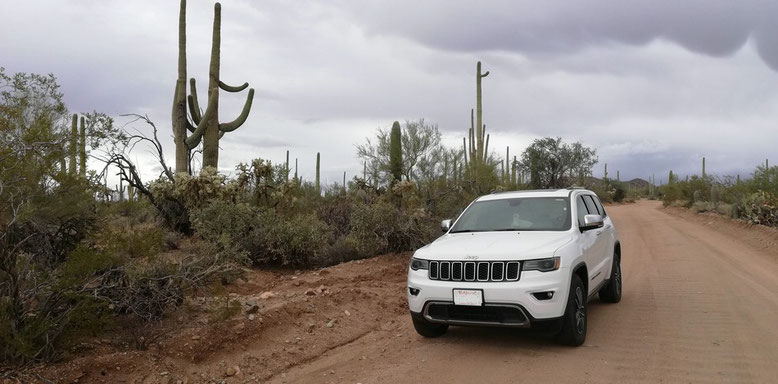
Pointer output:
x,y
483,271
456,271
497,271
512,270
470,271
445,270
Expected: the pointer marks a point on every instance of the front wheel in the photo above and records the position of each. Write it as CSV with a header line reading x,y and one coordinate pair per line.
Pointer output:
x,y
574,321
611,293
428,329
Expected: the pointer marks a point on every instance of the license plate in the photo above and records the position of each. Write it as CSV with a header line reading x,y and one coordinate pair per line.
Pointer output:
x,y
473,297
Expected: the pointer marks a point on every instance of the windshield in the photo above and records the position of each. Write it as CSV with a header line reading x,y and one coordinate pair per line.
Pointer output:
x,y
519,214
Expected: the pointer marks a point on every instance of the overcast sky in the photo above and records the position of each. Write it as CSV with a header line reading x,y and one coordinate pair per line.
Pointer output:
x,y
653,85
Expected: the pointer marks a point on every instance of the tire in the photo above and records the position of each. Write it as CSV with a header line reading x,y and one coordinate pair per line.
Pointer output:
x,y
611,292
427,329
575,319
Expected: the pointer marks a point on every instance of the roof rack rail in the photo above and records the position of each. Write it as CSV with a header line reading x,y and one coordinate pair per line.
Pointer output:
x,y
572,187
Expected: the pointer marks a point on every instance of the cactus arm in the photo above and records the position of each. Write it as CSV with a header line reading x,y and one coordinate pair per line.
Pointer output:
x,y
194,106
230,88
194,140
189,126
235,124
485,74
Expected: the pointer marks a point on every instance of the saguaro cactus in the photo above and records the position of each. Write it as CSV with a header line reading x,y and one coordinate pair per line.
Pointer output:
x,y
703,167
395,152
507,161
479,111
82,149
73,145
318,163
207,128
286,165
605,173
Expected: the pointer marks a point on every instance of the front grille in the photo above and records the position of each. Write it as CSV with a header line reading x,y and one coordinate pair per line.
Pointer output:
x,y
474,270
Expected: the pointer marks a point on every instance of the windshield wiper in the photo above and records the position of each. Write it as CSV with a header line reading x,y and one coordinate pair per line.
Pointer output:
x,y
506,230
466,230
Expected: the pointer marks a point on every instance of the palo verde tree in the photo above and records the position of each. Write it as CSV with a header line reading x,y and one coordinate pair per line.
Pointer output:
x,y
421,153
206,127
552,163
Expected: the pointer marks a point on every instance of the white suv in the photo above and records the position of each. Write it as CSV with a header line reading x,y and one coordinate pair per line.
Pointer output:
x,y
518,259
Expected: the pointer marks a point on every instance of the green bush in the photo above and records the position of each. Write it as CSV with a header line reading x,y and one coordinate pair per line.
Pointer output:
x,y
381,227
297,241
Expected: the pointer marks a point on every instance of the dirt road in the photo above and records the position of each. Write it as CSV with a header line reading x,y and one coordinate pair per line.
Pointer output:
x,y
699,305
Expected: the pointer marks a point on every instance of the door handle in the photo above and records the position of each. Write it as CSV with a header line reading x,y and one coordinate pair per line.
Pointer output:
x,y
598,233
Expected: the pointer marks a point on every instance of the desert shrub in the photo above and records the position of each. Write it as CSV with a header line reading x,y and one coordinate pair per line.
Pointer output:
x,y
224,222
381,227
335,211
143,241
760,208
297,240
265,235
703,206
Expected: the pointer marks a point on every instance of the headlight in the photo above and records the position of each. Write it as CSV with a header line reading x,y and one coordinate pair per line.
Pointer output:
x,y
417,264
542,265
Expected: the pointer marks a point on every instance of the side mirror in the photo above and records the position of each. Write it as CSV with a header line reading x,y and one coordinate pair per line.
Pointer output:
x,y
592,222
445,225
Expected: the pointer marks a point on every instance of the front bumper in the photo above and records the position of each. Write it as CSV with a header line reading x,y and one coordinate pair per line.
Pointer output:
x,y
505,303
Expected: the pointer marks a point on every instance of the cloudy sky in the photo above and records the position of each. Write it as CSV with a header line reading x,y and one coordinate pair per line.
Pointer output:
x,y
653,85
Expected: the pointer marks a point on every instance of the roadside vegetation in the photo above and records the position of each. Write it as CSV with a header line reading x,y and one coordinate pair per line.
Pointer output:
x,y
754,200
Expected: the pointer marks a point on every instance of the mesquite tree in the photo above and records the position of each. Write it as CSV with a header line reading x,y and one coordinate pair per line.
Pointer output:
x,y
206,127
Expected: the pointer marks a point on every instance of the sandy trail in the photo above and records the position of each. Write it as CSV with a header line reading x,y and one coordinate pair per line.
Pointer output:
x,y
699,305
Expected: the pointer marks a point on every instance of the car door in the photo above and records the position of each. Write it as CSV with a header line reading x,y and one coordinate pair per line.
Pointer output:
x,y
587,241
609,236
600,258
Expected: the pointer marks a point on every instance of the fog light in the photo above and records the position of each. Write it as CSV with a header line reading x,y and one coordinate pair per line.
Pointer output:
x,y
544,295
414,291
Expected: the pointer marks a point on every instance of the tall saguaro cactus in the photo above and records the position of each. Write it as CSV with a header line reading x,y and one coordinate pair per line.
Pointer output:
x,y
73,145
395,152
318,165
479,111
82,149
703,167
206,128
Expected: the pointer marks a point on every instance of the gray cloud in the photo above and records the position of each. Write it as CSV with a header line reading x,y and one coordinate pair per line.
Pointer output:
x,y
712,27
654,85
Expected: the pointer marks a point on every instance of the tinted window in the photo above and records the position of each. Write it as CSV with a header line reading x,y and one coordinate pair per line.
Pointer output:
x,y
599,206
591,206
581,210
519,214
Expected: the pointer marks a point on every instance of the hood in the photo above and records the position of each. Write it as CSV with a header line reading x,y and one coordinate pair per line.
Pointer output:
x,y
494,246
